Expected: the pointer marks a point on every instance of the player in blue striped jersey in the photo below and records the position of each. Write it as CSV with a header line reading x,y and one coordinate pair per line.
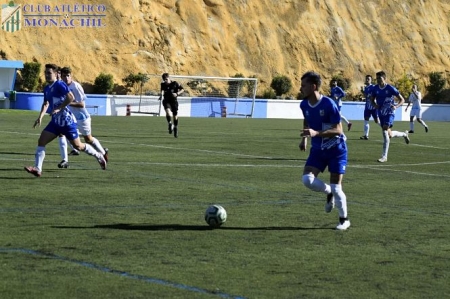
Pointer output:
x,y
322,123
383,98
57,97
337,94
369,109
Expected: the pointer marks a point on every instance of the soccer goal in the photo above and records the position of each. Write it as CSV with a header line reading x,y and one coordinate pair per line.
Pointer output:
x,y
211,96
147,104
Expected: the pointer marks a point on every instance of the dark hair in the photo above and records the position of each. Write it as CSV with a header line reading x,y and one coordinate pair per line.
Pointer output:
x,y
66,70
381,74
368,76
165,76
313,78
52,66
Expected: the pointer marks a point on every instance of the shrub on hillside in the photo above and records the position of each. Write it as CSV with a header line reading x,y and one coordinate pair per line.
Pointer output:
x,y
29,77
103,84
281,85
404,85
436,87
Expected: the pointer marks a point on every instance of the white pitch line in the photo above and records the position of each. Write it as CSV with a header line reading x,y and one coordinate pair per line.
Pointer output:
x,y
404,171
415,144
217,165
372,167
195,150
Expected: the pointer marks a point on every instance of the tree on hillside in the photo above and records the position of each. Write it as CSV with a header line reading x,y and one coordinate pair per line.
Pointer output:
x,y
136,81
343,82
436,86
104,84
404,85
29,77
281,84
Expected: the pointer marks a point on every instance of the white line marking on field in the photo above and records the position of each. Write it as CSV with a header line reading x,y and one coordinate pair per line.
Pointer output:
x,y
218,165
415,144
195,150
405,171
363,166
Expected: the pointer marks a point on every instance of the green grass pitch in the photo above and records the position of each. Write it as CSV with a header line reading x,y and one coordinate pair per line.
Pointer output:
x,y
137,230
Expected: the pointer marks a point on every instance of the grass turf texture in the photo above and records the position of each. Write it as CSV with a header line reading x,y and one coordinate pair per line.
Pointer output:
x,y
137,229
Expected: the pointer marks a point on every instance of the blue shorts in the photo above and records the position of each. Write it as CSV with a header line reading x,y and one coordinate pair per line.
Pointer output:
x,y
69,131
335,158
370,113
387,120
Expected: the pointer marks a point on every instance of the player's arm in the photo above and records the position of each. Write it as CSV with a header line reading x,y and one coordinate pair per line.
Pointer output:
x,y
343,94
161,96
44,108
372,100
400,103
180,91
68,99
79,97
333,130
409,103
303,141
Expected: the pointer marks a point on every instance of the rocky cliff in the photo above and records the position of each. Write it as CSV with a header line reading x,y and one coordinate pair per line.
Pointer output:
x,y
225,37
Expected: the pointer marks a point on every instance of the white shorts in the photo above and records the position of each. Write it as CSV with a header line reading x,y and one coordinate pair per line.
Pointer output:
x,y
84,127
417,112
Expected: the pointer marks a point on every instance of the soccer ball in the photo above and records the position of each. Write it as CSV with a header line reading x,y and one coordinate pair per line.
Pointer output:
x,y
215,216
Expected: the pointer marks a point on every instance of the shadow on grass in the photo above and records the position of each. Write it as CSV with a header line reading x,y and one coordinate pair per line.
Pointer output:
x,y
179,227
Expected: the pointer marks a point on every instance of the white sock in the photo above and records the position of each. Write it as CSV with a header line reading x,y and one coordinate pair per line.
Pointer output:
x,y
340,199
63,148
88,149
396,134
386,141
315,184
411,125
98,147
345,119
423,123
39,157
366,128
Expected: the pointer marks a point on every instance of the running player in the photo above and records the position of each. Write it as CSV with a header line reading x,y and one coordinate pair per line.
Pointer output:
x,y
57,96
383,98
369,109
170,90
78,108
337,93
416,111
322,122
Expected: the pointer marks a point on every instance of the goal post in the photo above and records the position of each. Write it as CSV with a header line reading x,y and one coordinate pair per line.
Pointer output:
x,y
210,96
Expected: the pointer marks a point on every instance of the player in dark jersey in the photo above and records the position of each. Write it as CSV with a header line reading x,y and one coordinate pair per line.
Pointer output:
x,y
170,90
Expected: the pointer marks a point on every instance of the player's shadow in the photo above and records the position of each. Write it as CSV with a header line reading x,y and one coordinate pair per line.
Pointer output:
x,y
180,227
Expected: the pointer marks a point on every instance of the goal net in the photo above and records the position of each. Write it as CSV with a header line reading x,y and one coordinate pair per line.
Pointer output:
x,y
204,96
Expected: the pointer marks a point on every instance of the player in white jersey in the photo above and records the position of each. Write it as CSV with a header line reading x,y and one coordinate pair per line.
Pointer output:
x,y
57,97
78,108
415,98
